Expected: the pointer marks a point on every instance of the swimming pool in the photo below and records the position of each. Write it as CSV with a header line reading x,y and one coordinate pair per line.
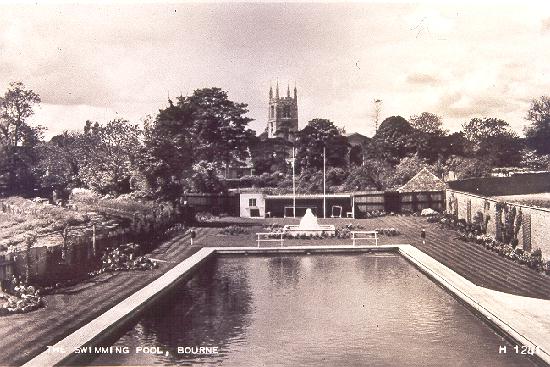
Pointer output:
x,y
310,310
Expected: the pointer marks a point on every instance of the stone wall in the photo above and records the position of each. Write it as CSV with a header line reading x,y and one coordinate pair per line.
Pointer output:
x,y
61,256
535,227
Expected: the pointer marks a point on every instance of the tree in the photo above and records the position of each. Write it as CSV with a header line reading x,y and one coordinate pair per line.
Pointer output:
x,y
205,127
205,179
108,155
168,154
374,174
533,161
17,138
478,130
492,139
58,164
465,167
321,134
428,123
449,145
395,139
356,155
270,155
538,133
219,126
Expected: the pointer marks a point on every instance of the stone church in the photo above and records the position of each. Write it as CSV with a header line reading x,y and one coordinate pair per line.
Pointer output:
x,y
282,121
272,149
274,145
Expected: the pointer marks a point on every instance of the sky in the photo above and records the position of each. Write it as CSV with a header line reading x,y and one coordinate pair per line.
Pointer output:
x,y
121,60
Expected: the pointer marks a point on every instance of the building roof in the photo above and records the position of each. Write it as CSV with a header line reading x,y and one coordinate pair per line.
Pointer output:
x,y
424,181
357,139
308,196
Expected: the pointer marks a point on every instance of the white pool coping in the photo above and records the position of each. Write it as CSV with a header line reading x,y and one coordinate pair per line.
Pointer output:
x,y
526,320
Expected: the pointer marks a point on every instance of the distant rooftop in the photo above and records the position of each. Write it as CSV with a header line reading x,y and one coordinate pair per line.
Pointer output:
x,y
424,180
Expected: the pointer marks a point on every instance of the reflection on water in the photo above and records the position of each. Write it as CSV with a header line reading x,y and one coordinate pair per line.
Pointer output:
x,y
328,310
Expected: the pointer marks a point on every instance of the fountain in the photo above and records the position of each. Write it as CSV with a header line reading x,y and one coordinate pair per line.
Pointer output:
x,y
309,227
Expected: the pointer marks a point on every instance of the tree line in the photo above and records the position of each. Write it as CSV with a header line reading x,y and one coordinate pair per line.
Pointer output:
x,y
190,141
400,148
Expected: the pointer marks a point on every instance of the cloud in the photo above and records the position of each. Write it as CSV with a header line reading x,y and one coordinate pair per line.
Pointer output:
x,y
456,60
420,78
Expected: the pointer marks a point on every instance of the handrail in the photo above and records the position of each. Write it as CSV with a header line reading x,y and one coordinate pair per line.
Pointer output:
x,y
270,239
372,235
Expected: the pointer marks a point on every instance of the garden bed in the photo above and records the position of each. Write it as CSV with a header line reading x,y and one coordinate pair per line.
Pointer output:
x,y
474,233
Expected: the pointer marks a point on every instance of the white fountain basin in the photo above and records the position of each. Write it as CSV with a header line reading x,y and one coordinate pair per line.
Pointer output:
x,y
320,230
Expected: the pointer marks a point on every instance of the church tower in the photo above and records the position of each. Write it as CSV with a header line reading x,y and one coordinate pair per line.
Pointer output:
x,y
282,118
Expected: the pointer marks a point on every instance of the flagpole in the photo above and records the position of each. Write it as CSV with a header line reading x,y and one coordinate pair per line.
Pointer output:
x,y
324,184
293,183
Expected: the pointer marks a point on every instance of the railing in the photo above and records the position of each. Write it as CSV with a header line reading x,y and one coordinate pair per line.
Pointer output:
x,y
369,236
268,237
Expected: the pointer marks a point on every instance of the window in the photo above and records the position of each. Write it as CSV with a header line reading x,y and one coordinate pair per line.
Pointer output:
x,y
272,111
251,202
286,111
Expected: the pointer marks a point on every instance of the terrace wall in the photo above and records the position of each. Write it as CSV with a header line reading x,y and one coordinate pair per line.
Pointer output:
x,y
214,203
398,202
535,228
54,259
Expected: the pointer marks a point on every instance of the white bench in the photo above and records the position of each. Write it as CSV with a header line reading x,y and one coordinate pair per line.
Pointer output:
x,y
368,235
267,237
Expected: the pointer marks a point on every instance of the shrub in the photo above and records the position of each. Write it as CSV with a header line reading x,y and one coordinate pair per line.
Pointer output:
x,y
388,231
535,260
233,230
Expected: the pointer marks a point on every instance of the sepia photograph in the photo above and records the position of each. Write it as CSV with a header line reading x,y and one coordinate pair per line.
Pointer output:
x,y
275,183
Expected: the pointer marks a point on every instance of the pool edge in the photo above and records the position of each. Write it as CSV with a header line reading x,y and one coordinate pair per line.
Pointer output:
x,y
110,321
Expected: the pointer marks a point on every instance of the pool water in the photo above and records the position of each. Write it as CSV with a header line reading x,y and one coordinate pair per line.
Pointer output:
x,y
312,310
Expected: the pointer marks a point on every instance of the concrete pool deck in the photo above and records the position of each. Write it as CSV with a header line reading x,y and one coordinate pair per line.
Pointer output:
x,y
523,319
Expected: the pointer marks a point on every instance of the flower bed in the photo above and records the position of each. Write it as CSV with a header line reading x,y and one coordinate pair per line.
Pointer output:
x,y
473,233
124,258
233,230
375,214
388,231
22,300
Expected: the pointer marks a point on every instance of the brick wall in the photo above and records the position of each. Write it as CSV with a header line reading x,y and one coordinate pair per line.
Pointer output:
x,y
535,226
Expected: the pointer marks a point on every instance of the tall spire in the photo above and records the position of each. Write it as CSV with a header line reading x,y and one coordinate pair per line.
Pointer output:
x,y
288,90
270,92
277,90
295,92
